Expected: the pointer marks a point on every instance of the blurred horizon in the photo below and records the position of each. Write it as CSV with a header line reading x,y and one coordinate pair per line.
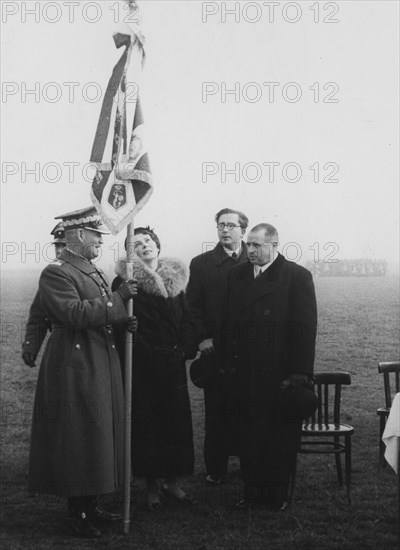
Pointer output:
x,y
334,149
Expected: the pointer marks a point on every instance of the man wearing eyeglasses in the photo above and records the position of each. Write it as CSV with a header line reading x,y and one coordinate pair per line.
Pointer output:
x,y
271,323
205,295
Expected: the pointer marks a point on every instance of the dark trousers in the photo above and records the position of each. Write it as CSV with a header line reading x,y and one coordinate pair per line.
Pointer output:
x,y
222,420
269,441
273,488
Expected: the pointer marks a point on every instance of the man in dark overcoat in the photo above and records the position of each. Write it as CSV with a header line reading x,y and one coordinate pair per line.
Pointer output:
x,y
77,428
270,331
206,294
38,324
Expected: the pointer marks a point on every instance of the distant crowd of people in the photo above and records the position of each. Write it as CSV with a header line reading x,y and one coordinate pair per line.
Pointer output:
x,y
363,267
244,315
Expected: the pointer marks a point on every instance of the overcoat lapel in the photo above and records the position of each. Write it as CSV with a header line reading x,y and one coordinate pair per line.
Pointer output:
x,y
267,283
219,255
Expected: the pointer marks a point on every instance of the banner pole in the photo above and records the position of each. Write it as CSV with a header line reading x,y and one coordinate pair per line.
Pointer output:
x,y
129,339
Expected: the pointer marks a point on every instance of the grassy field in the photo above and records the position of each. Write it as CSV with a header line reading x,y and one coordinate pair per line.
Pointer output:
x,y
358,326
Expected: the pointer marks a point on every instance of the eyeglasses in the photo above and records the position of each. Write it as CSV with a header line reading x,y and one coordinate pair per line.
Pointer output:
x,y
230,226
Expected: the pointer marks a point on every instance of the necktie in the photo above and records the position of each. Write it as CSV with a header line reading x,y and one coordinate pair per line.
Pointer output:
x,y
234,256
258,274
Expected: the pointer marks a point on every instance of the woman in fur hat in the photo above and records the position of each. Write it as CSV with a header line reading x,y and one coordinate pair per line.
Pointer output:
x,y
162,439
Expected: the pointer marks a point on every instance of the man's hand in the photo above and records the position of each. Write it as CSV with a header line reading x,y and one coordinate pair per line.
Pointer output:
x,y
132,324
29,359
128,290
296,381
207,346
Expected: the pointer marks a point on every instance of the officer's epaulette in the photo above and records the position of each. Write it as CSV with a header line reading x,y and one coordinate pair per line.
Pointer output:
x,y
57,262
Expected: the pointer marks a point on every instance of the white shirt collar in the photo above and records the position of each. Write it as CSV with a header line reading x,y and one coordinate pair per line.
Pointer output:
x,y
238,251
262,268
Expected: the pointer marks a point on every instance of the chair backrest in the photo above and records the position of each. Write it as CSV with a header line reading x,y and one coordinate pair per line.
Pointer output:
x,y
387,369
328,386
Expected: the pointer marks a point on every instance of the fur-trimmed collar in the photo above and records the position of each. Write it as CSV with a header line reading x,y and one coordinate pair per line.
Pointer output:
x,y
168,281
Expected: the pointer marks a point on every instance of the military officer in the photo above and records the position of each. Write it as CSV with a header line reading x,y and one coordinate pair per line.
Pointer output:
x,y
77,429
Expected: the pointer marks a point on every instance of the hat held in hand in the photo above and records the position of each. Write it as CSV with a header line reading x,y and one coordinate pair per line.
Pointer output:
x,y
299,403
202,370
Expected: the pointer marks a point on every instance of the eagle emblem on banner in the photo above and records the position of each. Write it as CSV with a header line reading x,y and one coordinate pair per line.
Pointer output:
x,y
117,196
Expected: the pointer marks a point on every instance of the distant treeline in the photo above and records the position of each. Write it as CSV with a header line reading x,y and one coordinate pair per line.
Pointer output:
x,y
363,267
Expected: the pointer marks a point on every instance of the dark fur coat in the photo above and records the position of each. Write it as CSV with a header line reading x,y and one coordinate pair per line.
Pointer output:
x,y
162,440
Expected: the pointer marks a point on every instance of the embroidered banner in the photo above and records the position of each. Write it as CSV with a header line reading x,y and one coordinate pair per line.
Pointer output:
x,y
123,181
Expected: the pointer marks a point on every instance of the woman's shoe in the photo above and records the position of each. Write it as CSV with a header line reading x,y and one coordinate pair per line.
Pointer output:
x,y
82,527
185,499
212,480
243,504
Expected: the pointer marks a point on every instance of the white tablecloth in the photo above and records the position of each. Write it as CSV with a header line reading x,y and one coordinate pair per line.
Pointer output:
x,y
391,435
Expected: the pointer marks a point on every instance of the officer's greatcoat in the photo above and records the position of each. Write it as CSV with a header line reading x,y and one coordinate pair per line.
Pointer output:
x,y
77,428
36,328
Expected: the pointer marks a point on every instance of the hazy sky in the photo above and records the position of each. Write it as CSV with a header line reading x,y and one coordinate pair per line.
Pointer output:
x,y
306,140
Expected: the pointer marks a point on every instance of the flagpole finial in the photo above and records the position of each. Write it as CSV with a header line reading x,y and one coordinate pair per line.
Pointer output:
x,y
132,4
132,24
133,9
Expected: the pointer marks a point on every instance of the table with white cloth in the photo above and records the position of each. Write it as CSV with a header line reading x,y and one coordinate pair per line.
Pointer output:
x,y
391,438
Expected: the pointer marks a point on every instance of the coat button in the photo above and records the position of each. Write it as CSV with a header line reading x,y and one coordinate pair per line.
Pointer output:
x,y
113,347
109,304
109,331
78,346
27,342
266,312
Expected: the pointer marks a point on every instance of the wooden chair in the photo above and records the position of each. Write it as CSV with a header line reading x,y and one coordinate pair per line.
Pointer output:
x,y
391,383
325,428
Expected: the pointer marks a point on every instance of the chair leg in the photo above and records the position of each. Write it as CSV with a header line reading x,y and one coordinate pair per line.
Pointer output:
x,y
347,454
338,463
292,480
